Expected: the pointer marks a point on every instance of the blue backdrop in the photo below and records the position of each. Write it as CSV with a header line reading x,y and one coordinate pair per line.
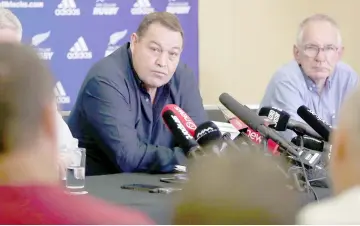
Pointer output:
x,y
71,35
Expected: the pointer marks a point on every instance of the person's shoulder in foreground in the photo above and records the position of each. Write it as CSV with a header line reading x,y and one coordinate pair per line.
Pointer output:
x,y
339,210
29,192
51,205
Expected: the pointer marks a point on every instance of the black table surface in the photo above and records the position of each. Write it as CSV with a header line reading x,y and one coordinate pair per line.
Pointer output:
x,y
157,206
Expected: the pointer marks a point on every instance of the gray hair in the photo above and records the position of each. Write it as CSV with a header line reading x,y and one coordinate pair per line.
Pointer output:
x,y
317,18
8,20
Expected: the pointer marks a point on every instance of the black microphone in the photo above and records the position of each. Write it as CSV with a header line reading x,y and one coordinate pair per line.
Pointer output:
x,y
181,135
310,158
208,136
282,121
309,142
314,144
209,133
318,124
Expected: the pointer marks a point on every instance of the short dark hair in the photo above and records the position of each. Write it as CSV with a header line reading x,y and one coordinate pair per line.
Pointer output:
x,y
166,19
26,87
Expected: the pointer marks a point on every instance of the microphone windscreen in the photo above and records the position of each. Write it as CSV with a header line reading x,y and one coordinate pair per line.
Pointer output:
x,y
313,120
276,115
206,133
182,116
242,112
181,135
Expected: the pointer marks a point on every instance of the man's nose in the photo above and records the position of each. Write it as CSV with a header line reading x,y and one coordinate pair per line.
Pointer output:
x,y
161,60
321,56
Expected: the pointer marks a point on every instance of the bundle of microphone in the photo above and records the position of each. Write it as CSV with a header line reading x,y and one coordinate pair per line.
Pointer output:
x,y
308,152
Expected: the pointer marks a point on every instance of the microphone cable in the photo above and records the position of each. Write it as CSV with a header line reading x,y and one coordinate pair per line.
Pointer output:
x,y
308,186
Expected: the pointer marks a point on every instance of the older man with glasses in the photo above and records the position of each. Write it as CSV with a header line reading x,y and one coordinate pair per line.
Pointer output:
x,y
316,77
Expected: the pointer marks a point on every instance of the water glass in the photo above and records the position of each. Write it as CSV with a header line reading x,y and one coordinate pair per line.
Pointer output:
x,y
75,172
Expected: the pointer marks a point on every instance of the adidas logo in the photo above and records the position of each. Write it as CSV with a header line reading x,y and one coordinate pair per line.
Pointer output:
x,y
113,41
79,51
178,7
142,7
44,53
105,9
67,8
60,94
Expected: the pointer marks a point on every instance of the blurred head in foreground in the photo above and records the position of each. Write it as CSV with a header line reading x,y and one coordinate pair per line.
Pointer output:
x,y
345,155
27,117
10,26
237,188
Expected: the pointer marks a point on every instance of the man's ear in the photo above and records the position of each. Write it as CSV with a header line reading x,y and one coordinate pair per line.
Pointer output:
x,y
341,52
296,53
134,39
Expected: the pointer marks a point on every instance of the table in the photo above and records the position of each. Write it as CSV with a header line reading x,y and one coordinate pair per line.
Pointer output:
x,y
157,206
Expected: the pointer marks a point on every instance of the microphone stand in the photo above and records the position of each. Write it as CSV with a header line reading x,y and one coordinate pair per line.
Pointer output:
x,y
265,145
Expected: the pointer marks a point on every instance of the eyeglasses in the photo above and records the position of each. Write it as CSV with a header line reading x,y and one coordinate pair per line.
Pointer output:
x,y
313,51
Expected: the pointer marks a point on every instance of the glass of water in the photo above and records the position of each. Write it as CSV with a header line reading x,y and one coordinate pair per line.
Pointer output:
x,y
75,173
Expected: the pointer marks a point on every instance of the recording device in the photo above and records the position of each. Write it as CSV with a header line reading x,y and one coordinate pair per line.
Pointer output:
x,y
181,135
283,121
318,124
184,118
307,157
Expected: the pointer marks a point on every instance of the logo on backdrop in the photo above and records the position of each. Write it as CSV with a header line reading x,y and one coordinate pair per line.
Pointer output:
x,y
102,8
67,8
44,53
178,7
61,97
113,41
22,4
142,7
79,51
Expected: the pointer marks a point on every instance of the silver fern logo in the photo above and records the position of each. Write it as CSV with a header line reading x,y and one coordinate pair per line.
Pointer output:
x,y
114,41
44,53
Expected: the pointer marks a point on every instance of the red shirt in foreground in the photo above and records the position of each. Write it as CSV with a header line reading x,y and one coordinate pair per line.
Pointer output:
x,y
51,205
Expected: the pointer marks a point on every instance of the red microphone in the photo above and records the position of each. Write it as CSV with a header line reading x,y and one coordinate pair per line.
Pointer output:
x,y
182,116
254,135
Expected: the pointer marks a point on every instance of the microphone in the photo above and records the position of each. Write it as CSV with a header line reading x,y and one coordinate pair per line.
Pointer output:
x,y
181,135
254,136
310,158
208,135
318,124
314,144
283,121
309,142
182,116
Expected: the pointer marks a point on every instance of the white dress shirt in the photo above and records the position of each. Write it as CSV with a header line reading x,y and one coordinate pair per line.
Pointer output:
x,y
343,209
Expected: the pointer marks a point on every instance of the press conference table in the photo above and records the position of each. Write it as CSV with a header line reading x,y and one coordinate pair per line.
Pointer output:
x,y
158,206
